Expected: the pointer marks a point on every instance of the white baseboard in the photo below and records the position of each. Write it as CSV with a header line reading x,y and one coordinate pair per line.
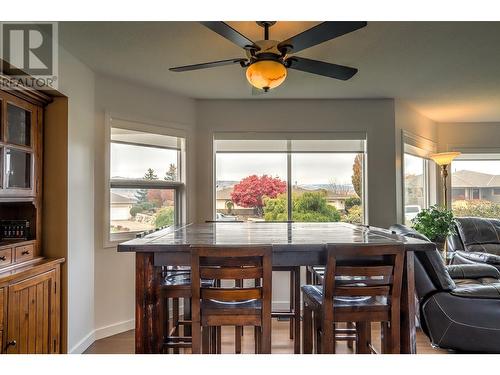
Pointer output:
x,y
114,329
100,333
83,344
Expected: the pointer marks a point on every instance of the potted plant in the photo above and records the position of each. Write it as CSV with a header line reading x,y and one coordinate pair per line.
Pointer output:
x,y
436,223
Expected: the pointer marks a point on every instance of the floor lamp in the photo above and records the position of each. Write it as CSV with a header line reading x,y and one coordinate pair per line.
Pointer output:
x,y
443,159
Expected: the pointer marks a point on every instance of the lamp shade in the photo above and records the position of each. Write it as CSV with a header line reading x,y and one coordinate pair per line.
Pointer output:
x,y
444,158
266,74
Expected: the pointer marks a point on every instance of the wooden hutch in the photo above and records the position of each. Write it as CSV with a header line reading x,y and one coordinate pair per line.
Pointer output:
x,y
30,287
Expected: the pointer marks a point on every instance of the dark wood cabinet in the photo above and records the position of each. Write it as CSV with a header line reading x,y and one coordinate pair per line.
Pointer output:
x,y
30,308
30,284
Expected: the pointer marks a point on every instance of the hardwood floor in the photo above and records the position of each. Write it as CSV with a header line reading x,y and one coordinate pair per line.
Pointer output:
x,y
123,343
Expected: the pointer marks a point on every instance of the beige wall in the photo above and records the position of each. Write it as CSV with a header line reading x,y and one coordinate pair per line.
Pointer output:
x,y
114,276
469,135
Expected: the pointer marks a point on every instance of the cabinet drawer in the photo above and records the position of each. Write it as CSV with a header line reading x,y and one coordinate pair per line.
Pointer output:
x,y
24,252
5,257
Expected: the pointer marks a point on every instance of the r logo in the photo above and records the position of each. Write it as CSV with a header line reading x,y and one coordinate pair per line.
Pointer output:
x,y
29,48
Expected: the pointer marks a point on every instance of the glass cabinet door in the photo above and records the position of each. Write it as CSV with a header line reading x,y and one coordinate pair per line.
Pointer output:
x,y
17,169
18,125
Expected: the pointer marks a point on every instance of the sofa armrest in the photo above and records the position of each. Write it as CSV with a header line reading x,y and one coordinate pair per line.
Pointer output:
x,y
472,271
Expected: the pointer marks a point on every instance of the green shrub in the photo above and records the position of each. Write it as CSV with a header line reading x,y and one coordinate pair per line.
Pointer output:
x,y
140,208
351,202
476,208
354,215
310,206
435,222
164,217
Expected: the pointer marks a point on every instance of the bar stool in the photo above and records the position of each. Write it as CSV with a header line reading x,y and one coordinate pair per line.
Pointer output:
x,y
176,286
238,306
373,297
314,276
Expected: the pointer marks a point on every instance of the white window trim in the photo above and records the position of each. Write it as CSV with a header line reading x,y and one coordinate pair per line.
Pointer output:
x,y
126,122
362,136
425,148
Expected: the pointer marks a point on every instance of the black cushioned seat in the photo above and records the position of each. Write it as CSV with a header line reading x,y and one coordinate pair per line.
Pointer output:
x,y
459,304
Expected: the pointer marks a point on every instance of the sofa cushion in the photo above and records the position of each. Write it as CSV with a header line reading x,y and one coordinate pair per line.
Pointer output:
x,y
478,231
490,291
472,271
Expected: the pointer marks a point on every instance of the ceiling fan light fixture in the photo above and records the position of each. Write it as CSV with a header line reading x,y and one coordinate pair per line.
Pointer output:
x,y
266,74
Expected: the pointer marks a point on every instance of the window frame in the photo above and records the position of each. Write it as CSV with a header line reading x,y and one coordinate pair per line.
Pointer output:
x,y
289,137
420,147
179,187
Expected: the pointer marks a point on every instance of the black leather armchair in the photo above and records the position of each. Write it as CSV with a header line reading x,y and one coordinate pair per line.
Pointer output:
x,y
477,241
459,304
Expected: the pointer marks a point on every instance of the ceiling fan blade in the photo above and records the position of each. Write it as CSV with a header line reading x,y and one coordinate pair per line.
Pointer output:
x,y
321,68
319,34
223,29
212,64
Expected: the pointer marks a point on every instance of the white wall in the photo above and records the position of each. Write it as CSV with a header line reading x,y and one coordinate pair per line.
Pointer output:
x,y
115,272
76,81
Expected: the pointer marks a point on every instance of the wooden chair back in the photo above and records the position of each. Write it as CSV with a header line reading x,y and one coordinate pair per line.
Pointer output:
x,y
372,270
230,263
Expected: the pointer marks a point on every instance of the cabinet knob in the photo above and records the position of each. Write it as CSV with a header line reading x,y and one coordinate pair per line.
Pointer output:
x,y
25,252
10,343
3,258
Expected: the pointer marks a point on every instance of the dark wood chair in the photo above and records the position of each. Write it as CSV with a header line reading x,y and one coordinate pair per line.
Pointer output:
x,y
373,296
239,306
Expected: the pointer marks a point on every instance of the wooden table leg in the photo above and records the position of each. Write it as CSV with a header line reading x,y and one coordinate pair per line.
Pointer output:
x,y
408,328
148,325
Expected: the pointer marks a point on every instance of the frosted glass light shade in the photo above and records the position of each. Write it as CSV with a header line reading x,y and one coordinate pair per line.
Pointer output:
x,y
266,74
444,158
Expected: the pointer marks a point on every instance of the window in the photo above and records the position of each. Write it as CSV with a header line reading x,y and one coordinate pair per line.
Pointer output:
x,y
276,179
416,184
475,185
145,179
419,176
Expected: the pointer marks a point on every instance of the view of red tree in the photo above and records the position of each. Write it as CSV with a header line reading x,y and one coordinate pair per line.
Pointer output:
x,y
160,197
250,191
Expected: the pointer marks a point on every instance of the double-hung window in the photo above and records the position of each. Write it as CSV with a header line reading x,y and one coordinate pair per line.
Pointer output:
x,y
419,176
146,179
290,176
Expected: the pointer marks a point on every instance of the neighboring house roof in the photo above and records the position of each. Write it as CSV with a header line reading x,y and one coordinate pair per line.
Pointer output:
x,y
463,179
117,198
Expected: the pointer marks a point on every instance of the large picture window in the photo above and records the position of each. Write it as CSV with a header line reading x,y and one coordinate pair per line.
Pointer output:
x,y
475,185
145,180
294,179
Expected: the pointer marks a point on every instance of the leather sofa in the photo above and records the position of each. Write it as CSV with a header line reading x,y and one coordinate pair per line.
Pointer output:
x,y
477,240
459,304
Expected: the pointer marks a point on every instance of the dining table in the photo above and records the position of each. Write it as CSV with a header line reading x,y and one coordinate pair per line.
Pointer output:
x,y
293,244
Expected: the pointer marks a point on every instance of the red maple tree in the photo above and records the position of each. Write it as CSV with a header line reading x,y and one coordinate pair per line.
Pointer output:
x,y
160,197
250,191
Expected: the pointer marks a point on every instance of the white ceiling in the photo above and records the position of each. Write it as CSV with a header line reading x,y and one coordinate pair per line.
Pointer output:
x,y
448,71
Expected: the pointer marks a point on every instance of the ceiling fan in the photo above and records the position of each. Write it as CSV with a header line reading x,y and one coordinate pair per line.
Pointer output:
x,y
267,61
